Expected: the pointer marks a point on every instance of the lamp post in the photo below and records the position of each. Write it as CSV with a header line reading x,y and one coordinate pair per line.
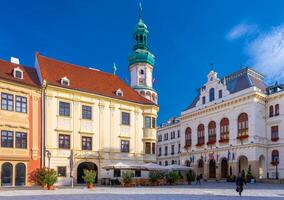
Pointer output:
x,y
48,153
276,166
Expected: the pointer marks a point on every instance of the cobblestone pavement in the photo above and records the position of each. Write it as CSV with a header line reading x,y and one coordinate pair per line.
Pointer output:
x,y
206,191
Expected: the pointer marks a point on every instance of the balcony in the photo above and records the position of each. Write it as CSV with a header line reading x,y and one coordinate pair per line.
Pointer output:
x,y
200,141
243,134
274,139
224,140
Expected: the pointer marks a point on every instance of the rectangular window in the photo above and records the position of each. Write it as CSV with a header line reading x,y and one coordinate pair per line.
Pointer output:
x,y
148,148
137,173
147,122
160,151
166,150
116,173
178,134
21,104
7,139
124,146
220,94
153,122
173,150
64,109
64,141
86,143
21,140
178,148
203,100
7,102
86,112
61,171
274,132
166,136
153,148
125,118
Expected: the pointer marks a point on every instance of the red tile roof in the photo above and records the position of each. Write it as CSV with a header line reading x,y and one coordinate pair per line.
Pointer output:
x,y
86,80
29,74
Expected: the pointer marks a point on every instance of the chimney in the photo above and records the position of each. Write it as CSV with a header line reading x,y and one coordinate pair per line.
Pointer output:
x,y
15,60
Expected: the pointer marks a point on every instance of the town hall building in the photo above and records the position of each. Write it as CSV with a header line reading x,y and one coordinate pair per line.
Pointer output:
x,y
233,124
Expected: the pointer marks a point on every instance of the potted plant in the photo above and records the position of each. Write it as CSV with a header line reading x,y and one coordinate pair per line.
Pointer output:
x,y
38,176
50,178
89,177
190,176
172,177
155,177
127,178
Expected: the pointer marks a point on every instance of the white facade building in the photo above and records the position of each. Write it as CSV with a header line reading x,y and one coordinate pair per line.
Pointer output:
x,y
169,143
234,124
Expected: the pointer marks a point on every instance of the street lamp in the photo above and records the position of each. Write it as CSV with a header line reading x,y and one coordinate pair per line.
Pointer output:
x,y
48,153
276,165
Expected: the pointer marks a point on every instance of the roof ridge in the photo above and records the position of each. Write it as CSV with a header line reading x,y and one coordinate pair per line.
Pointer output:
x,y
8,62
75,65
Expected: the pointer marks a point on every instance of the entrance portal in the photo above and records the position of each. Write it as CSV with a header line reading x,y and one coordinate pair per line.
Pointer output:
x,y
224,168
80,171
212,169
20,174
243,163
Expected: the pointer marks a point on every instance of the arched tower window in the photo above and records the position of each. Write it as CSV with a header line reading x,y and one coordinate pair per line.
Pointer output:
x,y
211,94
224,130
200,134
243,125
271,111
188,136
141,38
211,132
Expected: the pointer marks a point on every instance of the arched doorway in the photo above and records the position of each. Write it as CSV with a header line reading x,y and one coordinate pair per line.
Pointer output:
x,y
200,168
7,174
20,174
224,168
212,169
80,171
261,165
243,163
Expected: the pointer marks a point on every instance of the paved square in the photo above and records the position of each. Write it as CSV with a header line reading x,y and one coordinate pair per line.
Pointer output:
x,y
181,192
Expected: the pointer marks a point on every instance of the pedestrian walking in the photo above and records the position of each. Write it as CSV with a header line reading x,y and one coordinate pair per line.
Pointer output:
x,y
197,179
240,184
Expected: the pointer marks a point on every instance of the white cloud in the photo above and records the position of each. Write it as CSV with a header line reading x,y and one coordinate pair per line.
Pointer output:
x,y
266,54
240,30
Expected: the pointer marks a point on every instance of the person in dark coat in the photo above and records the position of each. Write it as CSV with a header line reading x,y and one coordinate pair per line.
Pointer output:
x,y
198,179
240,184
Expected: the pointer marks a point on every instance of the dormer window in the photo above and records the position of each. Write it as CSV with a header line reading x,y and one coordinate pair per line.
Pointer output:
x,y
18,73
65,81
119,93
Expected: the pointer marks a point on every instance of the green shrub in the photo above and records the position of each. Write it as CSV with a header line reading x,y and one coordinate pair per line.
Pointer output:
x,y
190,176
172,177
50,177
155,176
127,177
249,175
89,176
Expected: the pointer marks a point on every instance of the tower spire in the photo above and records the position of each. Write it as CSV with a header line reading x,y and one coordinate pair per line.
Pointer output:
x,y
140,10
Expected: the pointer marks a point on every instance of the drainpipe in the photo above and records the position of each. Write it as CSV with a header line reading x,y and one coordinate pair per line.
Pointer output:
x,y
43,124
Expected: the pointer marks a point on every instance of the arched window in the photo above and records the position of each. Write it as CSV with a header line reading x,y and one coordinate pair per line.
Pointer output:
x,y
276,109
274,157
271,111
141,38
200,134
6,174
211,133
211,94
166,163
274,133
243,125
142,93
188,136
224,130
20,174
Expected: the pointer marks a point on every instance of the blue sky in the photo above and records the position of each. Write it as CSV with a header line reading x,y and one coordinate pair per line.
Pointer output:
x,y
185,36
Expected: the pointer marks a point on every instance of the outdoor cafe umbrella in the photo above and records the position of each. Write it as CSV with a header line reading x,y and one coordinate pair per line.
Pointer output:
x,y
125,166
175,167
154,167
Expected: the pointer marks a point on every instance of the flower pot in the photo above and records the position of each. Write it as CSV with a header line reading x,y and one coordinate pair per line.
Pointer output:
x,y
90,185
50,187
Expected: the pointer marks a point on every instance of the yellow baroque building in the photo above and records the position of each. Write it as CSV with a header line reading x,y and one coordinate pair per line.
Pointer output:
x,y
93,119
